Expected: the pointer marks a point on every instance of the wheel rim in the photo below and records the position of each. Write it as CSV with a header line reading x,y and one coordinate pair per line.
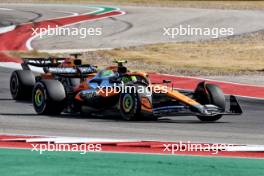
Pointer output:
x,y
128,103
39,97
14,85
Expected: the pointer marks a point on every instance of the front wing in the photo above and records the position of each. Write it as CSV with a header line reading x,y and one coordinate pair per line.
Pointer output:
x,y
199,110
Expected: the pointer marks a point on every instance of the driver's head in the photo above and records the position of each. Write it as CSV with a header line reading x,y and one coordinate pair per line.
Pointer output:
x,y
122,70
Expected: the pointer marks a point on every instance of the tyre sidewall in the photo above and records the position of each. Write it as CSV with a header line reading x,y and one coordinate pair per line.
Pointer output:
x,y
210,94
216,95
15,85
133,111
21,84
54,97
40,87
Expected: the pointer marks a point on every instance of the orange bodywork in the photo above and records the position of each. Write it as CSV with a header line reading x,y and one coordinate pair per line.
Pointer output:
x,y
178,96
78,97
107,93
146,105
142,74
174,94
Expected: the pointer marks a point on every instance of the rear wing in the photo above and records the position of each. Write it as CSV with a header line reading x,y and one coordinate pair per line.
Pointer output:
x,y
52,65
72,72
41,62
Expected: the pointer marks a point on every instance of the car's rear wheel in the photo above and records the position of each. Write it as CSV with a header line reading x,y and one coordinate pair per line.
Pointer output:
x,y
210,94
21,84
49,97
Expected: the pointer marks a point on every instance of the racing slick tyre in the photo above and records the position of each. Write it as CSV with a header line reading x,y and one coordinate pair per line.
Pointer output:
x,y
129,104
210,94
21,84
48,97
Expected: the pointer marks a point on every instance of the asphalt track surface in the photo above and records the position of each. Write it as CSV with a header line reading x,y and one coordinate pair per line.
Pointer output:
x,y
20,118
139,26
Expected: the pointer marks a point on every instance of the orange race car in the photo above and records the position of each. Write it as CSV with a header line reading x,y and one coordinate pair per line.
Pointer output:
x,y
67,85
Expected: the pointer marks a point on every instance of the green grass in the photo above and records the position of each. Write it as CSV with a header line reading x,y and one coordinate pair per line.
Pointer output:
x,y
26,163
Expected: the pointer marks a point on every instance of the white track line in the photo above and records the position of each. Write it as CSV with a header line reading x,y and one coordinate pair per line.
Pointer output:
x,y
7,29
80,140
75,140
73,50
246,148
6,9
29,41
242,96
11,65
17,66
228,82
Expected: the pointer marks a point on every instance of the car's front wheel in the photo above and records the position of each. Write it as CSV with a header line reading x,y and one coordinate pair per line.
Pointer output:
x,y
210,94
129,105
